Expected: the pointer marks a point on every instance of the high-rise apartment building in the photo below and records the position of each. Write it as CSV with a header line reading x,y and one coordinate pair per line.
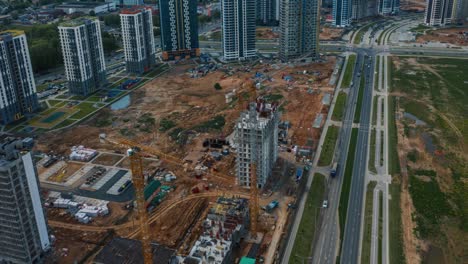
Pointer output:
x,y
341,13
267,12
460,10
138,39
83,55
299,28
238,26
179,29
23,231
17,88
388,7
359,9
257,142
439,12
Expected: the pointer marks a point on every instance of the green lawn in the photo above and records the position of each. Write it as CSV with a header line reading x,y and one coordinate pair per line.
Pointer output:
x,y
326,156
372,152
338,110
395,231
346,187
305,234
420,28
374,109
367,235
357,114
348,75
156,71
361,33
54,102
380,229
376,73
85,109
64,123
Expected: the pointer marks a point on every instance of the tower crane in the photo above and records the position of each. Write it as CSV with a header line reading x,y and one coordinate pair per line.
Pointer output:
x,y
138,179
254,203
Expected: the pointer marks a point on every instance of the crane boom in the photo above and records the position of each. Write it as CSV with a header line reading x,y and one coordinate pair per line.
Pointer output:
x,y
161,155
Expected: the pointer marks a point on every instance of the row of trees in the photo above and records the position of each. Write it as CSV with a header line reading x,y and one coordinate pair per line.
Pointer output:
x,y
45,49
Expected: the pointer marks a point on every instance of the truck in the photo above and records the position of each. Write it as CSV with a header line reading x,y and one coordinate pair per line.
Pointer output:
x,y
334,169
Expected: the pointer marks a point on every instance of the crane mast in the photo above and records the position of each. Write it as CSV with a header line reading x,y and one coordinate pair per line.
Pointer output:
x,y
138,179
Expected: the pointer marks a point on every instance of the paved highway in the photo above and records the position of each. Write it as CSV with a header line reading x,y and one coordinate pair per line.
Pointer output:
x,y
351,243
327,243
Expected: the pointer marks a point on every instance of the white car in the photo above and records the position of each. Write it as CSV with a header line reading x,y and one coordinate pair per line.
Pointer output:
x,y
325,204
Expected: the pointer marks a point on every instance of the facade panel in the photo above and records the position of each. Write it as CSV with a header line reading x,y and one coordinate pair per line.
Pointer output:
x,y
138,39
179,29
23,231
238,29
17,86
299,28
83,55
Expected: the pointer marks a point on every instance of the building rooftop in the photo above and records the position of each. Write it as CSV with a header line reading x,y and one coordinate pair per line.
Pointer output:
x,y
122,250
258,116
81,4
11,32
11,147
78,21
134,10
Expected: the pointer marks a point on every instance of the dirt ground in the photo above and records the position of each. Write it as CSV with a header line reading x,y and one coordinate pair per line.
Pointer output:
x,y
116,214
329,33
188,102
413,5
68,170
447,35
170,232
266,33
107,159
71,246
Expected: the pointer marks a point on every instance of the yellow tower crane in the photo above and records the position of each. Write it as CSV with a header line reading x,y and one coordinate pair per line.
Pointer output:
x,y
138,179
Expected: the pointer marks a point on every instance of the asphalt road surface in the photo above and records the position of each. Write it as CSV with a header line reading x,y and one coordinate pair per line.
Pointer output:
x,y
351,242
326,246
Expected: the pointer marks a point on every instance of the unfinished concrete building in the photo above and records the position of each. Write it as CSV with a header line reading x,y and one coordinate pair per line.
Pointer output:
x,y
257,142
23,230
224,227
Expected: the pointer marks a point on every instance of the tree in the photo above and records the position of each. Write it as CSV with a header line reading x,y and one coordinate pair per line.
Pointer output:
x,y
112,20
109,42
216,14
92,13
217,86
156,21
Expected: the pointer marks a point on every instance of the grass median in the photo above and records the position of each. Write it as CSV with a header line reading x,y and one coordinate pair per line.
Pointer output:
x,y
326,156
345,189
348,75
338,110
305,235
367,237
395,231
357,114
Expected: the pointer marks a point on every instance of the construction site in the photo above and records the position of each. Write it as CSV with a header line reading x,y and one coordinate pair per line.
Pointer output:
x,y
173,173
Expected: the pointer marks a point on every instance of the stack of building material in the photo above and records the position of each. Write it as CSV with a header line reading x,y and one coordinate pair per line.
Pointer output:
x,y
80,153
